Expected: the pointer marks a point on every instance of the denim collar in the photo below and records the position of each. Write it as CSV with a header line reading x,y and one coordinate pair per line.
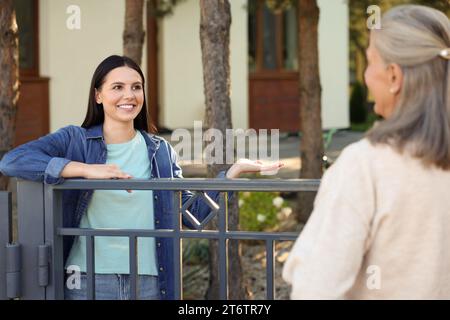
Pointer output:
x,y
96,132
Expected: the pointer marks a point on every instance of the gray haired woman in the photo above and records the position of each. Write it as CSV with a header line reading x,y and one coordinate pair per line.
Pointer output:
x,y
380,228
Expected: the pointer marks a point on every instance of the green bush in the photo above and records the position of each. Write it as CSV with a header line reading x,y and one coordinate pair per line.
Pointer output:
x,y
362,127
358,107
257,211
195,251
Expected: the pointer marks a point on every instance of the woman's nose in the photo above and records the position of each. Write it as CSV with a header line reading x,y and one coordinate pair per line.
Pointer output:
x,y
129,93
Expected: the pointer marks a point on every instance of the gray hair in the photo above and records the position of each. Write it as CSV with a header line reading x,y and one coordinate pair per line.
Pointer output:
x,y
414,37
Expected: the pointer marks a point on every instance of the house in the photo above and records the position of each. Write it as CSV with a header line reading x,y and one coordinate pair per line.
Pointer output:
x,y
58,59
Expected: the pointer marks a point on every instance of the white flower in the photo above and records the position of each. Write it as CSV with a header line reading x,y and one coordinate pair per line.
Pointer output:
x,y
278,202
241,203
280,215
261,217
286,211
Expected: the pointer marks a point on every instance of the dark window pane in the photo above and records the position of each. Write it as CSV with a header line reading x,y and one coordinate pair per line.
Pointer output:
x,y
269,40
252,13
290,39
26,23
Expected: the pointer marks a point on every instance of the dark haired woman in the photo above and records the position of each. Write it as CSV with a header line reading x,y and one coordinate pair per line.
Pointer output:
x,y
114,142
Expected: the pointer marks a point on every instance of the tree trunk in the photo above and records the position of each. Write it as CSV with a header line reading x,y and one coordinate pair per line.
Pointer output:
x,y
9,79
133,34
215,41
311,146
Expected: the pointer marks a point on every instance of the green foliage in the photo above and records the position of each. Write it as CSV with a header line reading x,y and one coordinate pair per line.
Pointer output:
x,y
195,264
257,211
280,5
276,6
162,8
362,127
358,104
195,251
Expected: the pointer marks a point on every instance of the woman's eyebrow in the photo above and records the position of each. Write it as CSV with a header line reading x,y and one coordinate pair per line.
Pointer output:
x,y
121,83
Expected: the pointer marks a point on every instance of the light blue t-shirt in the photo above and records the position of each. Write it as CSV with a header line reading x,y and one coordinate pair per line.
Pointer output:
x,y
118,209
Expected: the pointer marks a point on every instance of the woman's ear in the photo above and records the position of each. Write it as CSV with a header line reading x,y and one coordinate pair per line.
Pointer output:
x,y
395,78
97,97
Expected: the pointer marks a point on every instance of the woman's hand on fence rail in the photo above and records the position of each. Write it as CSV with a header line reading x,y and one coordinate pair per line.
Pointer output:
x,y
94,171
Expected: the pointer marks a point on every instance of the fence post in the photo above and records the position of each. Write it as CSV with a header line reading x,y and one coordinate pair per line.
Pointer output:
x,y
30,211
270,269
177,252
54,221
223,246
5,237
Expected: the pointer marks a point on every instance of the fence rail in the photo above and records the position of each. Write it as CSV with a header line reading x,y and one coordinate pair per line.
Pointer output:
x,y
41,231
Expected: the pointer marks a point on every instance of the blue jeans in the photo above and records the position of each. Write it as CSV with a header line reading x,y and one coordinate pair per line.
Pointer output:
x,y
115,287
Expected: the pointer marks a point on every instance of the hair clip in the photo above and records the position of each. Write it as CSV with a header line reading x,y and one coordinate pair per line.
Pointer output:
x,y
445,53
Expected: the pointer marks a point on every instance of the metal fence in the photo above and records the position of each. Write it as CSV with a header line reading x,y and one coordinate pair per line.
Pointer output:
x,y
32,267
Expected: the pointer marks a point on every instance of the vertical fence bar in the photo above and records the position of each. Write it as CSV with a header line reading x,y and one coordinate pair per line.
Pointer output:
x,y
53,222
223,246
5,237
133,267
31,235
177,259
270,263
90,267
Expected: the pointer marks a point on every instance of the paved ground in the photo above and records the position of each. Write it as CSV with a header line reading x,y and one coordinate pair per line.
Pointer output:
x,y
289,147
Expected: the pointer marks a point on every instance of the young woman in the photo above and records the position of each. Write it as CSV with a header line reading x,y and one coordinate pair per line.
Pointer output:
x,y
114,143
381,221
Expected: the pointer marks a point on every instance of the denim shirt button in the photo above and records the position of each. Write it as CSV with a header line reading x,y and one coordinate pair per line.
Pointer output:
x,y
158,244
163,291
157,221
161,269
156,198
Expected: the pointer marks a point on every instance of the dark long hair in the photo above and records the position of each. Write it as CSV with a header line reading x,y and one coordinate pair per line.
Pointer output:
x,y
95,114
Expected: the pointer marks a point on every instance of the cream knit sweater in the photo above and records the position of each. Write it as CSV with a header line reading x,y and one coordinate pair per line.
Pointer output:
x,y
380,229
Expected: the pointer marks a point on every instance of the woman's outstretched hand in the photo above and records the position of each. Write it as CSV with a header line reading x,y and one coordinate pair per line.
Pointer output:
x,y
252,166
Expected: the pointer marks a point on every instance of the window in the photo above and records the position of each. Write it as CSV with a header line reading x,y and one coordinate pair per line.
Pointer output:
x,y
27,21
272,38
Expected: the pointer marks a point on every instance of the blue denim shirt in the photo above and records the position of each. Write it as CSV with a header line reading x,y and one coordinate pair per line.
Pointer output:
x,y
44,159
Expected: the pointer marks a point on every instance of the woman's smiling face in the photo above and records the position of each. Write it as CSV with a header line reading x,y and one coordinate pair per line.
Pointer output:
x,y
122,95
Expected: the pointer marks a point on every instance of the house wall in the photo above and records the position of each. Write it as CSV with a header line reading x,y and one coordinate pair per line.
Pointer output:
x,y
334,63
69,58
